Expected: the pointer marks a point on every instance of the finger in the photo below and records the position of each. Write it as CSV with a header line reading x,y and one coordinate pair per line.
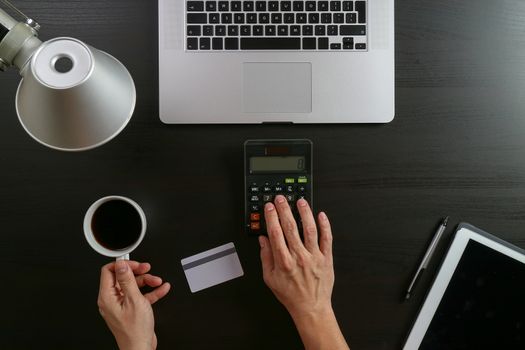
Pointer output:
x,y
309,226
326,234
288,224
136,267
126,279
158,293
148,280
280,251
107,280
266,255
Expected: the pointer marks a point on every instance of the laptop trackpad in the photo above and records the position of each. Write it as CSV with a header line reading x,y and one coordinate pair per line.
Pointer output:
x,y
277,87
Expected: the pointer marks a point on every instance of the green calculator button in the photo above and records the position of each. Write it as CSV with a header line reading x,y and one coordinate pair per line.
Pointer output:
x,y
289,180
302,180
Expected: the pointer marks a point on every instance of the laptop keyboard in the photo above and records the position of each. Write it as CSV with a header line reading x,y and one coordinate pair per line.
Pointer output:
x,y
276,25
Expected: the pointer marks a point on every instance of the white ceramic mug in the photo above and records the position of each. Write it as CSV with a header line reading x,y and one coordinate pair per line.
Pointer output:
x,y
120,254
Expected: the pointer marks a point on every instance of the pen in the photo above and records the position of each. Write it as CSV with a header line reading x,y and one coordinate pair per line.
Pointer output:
x,y
428,256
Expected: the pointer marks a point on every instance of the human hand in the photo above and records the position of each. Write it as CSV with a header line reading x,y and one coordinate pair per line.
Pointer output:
x,y
125,309
302,275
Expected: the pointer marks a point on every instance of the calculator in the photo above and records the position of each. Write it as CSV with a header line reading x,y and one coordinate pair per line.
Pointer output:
x,y
275,167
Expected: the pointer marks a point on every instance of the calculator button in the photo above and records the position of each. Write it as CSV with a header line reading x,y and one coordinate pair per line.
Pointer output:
x,y
289,188
290,197
267,187
255,217
302,180
289,180
254,198
267,198
255,226
301,189
255,207
278,188
254,189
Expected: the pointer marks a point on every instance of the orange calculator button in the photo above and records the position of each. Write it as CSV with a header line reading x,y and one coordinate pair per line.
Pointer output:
x,y
255,225
255,217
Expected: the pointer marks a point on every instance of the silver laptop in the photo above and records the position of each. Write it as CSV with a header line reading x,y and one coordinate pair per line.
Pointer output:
x,y
258,61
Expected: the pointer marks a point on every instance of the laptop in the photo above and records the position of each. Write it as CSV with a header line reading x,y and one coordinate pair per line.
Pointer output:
x,y
258,61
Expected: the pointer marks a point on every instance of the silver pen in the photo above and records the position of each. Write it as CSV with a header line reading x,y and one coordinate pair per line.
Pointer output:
x,y
428,255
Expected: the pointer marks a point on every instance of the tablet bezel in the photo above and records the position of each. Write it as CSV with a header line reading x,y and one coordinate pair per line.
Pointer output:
x,y
465,233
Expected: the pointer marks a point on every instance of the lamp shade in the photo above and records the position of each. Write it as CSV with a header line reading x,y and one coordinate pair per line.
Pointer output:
x,y
73,97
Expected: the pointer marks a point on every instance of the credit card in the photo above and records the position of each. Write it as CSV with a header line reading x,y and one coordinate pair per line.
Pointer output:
x,y
212,267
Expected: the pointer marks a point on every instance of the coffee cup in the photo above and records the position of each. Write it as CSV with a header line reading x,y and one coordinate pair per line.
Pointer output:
x,y
114,226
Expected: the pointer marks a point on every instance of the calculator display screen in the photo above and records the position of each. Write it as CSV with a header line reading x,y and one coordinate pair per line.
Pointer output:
x,y
268,164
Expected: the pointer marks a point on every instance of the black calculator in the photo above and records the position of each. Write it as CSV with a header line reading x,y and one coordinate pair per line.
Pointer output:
x,y
275,167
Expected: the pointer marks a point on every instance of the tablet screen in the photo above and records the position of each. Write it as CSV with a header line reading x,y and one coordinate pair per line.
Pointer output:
x,y
483,306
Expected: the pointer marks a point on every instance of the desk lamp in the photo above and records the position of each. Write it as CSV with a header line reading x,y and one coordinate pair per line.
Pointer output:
x,y
72,97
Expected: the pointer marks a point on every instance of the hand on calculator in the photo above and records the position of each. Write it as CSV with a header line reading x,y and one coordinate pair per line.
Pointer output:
x,y
301,274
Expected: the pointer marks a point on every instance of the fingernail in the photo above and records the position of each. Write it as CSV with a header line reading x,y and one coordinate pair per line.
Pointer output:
x,y
280,199
323,216
261,241
301,202
121,266
269,206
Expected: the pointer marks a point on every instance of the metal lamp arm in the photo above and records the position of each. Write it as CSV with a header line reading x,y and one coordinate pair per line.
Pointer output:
x,y
18,40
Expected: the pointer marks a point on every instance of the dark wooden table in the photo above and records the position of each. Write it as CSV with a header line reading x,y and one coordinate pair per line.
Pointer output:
x,y
456,147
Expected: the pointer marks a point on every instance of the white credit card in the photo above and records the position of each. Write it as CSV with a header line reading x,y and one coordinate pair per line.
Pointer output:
x,y
212,267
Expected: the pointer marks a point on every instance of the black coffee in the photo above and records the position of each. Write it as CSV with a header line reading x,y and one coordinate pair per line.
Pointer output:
x,y
116,224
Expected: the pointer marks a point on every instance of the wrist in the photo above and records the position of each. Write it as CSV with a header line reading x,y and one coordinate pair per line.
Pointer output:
x,y
313,317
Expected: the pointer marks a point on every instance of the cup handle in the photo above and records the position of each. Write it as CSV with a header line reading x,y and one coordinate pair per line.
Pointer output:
x,y
123,257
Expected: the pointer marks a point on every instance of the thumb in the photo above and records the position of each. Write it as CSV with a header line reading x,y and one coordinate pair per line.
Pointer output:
x,y
266,255
126,279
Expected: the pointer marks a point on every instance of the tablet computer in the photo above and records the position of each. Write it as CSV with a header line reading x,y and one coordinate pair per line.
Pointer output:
x,y
477,300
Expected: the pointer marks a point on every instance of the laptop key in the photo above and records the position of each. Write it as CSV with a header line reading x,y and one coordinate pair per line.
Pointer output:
x,y
192,43
238,18
360,7
214,18
310,6
335,5
204,43
322,43
282,30
286,6
300,18
309,43
236,6
339,17
295,30
201,18
251,18
326,18
298,6
233,30
248,6
193,30
270,43
332,30
335,46
277,18
360,46
216,43
289,17
211,6
207,30
260,6
320,30
193,6
313,18
352,30
269,30
258,30
348,6
226,18
224,6
273,6
220,30
231,43
348,43
322,6
264,18
246,30
308,30
351,18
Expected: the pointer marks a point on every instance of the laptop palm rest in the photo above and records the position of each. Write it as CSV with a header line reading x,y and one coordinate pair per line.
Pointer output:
x,y
277,87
